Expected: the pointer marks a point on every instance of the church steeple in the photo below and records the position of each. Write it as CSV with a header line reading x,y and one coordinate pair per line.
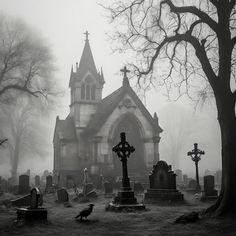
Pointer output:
x,y
87,62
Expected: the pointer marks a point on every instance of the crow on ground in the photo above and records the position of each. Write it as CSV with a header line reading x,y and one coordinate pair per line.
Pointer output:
x,y
85,212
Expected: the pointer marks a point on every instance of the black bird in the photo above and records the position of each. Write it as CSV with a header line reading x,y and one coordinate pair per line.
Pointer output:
x,y
85,212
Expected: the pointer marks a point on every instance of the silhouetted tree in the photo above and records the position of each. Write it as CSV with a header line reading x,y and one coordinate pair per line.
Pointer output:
x,y
22,123
26,63
191,44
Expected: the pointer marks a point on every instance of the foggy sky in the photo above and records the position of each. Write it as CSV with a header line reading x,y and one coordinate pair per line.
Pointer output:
x,y
62,23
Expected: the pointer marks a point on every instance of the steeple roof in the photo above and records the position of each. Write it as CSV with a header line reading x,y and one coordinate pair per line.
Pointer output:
x,y
86,65
87,62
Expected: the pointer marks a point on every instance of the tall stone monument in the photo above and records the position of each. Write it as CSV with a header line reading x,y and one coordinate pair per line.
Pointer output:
x,y
125,197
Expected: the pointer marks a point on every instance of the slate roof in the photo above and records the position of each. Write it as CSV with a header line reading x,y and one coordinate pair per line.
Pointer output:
x,y
109,103
65,129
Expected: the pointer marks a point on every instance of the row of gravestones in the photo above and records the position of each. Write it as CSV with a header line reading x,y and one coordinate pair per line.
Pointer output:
x,y
24,184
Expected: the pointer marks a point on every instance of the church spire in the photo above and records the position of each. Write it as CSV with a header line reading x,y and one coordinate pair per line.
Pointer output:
x,y
87,62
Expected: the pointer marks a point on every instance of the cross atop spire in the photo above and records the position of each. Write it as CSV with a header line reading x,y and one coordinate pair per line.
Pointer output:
x,y
125,78
86,35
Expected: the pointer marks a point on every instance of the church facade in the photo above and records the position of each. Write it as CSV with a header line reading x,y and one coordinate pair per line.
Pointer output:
x,y
93,126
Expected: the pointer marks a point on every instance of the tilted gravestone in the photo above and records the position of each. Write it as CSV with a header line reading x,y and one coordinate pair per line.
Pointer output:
x,y
162,184
24,187
209,188
33,212
62,195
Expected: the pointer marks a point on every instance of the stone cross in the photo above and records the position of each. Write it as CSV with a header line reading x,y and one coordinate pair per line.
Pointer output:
x,y
86,34
123,151
196,157
125,71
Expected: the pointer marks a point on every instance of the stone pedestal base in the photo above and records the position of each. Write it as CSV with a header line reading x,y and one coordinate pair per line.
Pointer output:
x,y
120,207
125,197
29,214
157,195
125,200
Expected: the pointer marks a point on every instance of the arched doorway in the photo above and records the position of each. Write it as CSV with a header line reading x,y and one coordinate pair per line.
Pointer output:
x,y
136,164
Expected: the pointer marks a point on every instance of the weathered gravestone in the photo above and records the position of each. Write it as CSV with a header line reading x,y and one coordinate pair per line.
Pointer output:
x,y
37,180
88,188
125,198
33,212
50,188
62,195
49,181
162,184
108,189
24,187
209,188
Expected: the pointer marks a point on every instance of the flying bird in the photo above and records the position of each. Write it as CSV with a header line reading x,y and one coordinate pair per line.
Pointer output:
x,y
85,212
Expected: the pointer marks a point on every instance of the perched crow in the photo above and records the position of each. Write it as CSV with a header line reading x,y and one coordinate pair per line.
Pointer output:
x,y
85,212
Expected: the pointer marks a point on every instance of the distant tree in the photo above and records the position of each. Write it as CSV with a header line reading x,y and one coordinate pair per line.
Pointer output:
x,y
21,123
190,45
26,63
178,124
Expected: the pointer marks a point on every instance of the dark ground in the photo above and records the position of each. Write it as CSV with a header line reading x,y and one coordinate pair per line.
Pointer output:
x,y
156,220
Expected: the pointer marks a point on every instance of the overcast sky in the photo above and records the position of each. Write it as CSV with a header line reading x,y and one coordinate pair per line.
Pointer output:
x,y
63,23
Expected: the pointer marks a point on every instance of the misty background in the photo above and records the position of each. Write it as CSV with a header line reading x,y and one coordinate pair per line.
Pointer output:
x,y
62,24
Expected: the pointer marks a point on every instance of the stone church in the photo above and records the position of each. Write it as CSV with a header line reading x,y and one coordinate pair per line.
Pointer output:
x,y
93,126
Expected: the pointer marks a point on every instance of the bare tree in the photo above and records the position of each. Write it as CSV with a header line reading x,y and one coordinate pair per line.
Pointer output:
x,y
190,45
26,63
21,123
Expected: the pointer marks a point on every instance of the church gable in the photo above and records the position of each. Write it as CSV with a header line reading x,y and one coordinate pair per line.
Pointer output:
x,y
125,100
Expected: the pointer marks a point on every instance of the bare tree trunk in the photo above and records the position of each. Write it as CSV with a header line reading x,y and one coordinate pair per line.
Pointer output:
x,y
15,161
226,202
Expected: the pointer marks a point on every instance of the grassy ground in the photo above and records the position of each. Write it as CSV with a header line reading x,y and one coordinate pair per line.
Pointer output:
x,y
156,220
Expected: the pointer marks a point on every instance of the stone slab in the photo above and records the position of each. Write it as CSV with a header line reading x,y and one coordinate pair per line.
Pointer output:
x,y
125,207
29,214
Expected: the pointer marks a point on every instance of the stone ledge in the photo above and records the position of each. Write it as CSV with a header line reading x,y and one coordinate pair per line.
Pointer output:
x,y
125,207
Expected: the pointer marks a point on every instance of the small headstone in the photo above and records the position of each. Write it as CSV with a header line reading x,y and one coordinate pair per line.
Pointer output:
x,y
37,180
24,187
209,188
62,195
34,201
162,184
49,181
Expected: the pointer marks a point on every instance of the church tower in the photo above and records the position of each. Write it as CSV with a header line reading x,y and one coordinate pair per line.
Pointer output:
x,y
86,85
